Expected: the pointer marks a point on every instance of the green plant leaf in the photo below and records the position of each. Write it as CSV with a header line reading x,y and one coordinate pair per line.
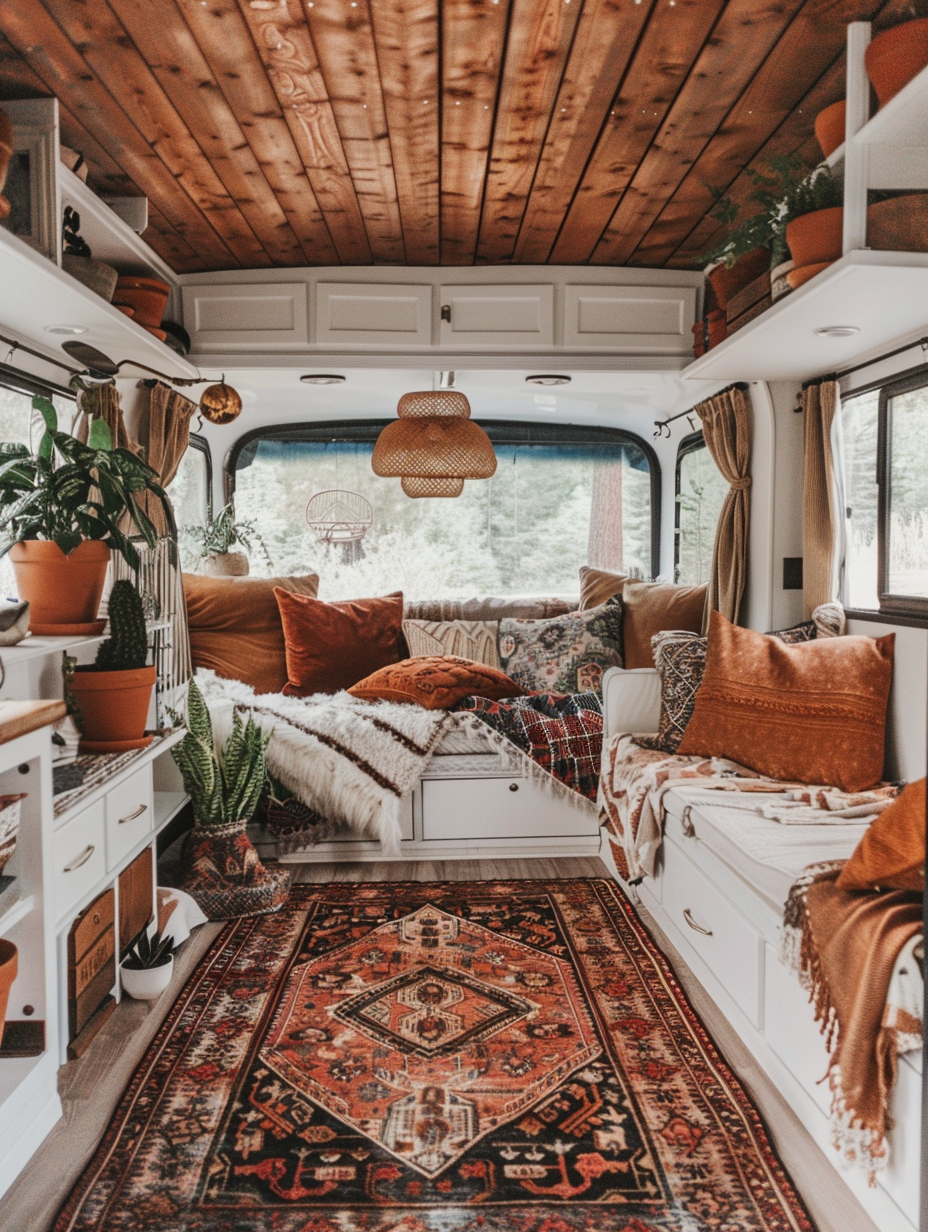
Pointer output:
x,y
100,436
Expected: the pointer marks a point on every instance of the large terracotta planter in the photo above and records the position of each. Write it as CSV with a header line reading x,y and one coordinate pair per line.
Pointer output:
x,y
899,224
148,296
894,57
6,154
60,590
9,965
727,282
816,237
829,127
223,872
113,707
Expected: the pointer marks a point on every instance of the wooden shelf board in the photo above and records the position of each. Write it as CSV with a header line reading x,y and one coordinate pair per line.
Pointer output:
x,y
20,718
35,294
884,294
111,239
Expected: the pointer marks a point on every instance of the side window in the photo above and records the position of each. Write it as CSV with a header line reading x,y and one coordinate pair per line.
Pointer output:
x,y
860,418
700,491
191,492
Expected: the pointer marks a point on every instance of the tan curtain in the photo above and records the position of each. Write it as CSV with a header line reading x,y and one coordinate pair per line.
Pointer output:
x,y
165,433
726,427
103,402
820,532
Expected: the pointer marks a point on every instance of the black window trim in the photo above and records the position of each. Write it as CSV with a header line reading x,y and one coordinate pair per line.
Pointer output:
x,y
201,444
689,444
889,603
500,431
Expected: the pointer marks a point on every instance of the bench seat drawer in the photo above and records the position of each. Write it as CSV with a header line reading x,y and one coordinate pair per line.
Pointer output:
x,y
498,808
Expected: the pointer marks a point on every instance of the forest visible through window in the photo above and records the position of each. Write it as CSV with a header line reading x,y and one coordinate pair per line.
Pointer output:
x,y
701,491
549,509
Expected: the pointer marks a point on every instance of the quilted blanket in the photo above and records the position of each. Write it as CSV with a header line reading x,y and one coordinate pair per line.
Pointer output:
x,y
561,732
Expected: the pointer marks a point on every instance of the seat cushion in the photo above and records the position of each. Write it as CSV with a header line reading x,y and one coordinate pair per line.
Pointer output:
x,y
891,855
468,639
651,607
567,654
598,585
812,713
436,682
331,646
235,627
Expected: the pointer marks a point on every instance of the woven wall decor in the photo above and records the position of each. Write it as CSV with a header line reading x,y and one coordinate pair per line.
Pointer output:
x,y
339,516
415,487
220,404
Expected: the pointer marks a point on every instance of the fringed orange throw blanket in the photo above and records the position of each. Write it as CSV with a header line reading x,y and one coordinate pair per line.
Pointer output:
x,y
845,945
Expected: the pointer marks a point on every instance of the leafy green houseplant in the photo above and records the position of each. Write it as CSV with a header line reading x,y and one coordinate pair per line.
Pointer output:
x,y
113,695
215,541
63,508
222,870
147,968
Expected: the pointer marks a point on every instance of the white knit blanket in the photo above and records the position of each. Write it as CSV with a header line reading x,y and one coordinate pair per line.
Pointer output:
x,y
348,759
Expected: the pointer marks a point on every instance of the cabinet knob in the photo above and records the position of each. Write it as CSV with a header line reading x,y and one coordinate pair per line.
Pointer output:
x,y
513,786
446,313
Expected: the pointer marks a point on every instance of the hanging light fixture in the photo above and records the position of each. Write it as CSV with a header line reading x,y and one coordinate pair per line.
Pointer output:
x,y
433,446
220,404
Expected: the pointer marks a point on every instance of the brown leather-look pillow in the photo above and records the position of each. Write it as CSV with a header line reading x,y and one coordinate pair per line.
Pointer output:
x,y
891,855
235,627
436,682
811,713
598,585
331,646
652,607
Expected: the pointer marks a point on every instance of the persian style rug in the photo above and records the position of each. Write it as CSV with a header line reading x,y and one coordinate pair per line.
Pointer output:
x,y
508,1056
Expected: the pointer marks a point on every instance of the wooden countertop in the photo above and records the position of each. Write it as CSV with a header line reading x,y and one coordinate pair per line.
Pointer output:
x,y
18,718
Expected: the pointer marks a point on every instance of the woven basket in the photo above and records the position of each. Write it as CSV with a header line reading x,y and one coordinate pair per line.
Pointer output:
x,y
224,874
10,809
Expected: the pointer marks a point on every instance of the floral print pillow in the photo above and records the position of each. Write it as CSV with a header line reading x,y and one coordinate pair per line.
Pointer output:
x,y
566,654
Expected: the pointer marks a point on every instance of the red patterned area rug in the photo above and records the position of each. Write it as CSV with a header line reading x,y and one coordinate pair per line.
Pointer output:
x,y
435,1057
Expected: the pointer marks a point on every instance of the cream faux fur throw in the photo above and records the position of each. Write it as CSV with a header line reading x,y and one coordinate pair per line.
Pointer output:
x,y
351,760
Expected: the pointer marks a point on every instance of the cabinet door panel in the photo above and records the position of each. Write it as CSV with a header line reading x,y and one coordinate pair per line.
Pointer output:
x,y
128,815
497,318
653,320
373,314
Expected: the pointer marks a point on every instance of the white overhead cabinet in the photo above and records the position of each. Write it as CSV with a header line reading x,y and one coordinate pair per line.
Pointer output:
x,y
644,320
269,316
362,314
496,317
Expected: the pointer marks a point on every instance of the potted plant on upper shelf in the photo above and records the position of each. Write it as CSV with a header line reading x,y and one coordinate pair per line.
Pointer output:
x,y
147,968
813,217
113,695
62,510
898,53
214,540
222,870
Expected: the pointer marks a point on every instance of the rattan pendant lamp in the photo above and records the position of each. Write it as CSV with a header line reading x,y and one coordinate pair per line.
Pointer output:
x,y
433,446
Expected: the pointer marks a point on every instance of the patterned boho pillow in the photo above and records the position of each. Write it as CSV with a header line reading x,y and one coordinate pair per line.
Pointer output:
x,y
567,654
436,682
680,658
468,639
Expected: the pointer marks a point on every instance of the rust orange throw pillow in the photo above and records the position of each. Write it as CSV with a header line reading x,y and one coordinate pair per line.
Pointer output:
x,y
813,713
891,855
235,627
652,607
436,682
331,646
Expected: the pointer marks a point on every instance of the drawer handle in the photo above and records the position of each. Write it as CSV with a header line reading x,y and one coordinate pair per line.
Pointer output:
x,y
81,859
697,928
132,816
513,786
686,822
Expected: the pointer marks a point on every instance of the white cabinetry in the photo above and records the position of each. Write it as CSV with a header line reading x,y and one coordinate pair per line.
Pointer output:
x,y
497,317
648,320
373,314
273,315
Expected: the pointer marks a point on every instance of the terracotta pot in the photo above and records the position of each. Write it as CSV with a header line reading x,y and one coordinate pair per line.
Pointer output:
x,y
817,236
226,564
223,872
894,57
799,276
96,276
6,154
727,282
148,296
899,224
60,590
9,965
718,327
829,127
779,280
113,705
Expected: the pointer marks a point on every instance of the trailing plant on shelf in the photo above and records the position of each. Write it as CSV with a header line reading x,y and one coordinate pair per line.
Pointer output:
x,y
221,867
214,542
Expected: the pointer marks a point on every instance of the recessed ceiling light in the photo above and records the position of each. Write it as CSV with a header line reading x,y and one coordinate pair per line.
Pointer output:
x,y
545,378
837,331
65,329
322,378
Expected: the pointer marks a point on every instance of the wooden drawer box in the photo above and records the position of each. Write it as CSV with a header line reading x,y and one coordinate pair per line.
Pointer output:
x,y
716,930
497,808
91,961
136,898
128,815
79,855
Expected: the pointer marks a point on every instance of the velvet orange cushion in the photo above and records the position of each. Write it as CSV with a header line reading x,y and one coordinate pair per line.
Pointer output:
x,y
235,627
436,682
598,585
331,646
813,713
891,855
651,607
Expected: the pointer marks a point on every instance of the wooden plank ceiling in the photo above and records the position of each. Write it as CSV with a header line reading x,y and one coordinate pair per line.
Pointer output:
x,y
425,132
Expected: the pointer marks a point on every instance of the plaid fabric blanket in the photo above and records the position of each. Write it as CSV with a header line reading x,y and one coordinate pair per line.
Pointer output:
x,y
561,732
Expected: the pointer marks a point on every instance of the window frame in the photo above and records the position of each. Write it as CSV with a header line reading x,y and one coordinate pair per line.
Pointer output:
x,y
689,444
201,444
500,432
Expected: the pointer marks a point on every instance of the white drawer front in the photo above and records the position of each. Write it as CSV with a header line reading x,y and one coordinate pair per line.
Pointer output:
x,y
80,857
791,1031
715,929
128,815
498,808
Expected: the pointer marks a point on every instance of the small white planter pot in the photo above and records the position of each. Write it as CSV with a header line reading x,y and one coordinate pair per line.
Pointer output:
x,y
149,983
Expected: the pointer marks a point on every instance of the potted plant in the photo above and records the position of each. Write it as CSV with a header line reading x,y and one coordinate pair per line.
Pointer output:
x,y
112,696
222,870
215,540
829,127
62,509
813,216
147,968
899,53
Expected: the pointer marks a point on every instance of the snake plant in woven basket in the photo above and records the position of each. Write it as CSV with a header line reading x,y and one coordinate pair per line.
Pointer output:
x,y
224,788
